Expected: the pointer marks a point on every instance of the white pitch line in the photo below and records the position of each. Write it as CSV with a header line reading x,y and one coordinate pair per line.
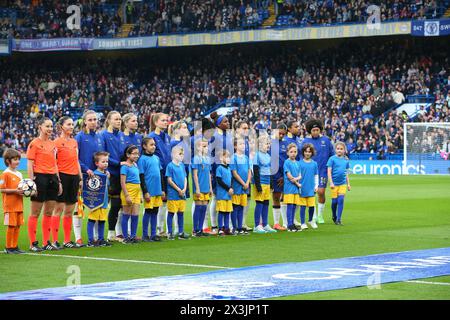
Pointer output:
x,y
128,261
429,282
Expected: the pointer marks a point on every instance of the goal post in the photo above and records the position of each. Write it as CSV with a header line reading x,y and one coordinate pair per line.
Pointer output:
x,y
427,147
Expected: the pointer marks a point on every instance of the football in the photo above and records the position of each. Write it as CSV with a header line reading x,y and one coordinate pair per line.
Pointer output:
x,y
28,186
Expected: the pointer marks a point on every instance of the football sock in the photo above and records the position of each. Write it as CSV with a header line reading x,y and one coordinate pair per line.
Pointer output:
x,y
334,204
193,208
119,227
276,210
16,236
213,212
90,230
258,212
220,218
302,214
32,226
96,230
10,237
101,230
203,220
311,213
239,216
153,221
125,218
321,207
340,207
145,222
291,208
196,218
169,222
67,227
226,217
244,215
134,225
56,220
265,213
113,214
180,218
234,214
205,217
175,223
46,228
162,217
77,222
284,214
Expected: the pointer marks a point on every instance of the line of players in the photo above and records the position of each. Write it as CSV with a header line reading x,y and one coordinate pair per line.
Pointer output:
x,y
225,167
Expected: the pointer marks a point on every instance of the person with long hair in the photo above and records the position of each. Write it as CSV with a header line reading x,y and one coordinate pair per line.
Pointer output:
x,y
220,141
151,177
129,132
43,169
158,126
338,170
113,143
71,178
279,208
89,142
293,131
131,194
324,151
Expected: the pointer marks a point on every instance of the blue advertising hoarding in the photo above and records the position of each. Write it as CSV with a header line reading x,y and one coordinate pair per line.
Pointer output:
x,y
430,28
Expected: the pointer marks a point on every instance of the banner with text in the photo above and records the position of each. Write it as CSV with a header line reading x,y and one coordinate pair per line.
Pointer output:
x,y
399,167
82,44
309,33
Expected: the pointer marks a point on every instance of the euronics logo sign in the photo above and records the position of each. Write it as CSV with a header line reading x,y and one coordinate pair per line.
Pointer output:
x,y
391,167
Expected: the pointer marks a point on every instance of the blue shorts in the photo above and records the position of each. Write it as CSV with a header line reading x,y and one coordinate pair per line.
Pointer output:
x,y
323,180
275,186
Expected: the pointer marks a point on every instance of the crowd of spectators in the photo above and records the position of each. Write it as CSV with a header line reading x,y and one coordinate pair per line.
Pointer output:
x,y
428,142
47,18
351,87
327,12
195,16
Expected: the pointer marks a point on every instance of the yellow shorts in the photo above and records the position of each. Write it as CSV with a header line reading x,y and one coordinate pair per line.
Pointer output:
x,y
155,202
134,190
292,198
224,206
308,201
175,206
264,195
338,190
239,199
98,214
203,197
13,219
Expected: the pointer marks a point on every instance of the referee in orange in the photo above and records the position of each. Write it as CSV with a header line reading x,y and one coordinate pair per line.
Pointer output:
x,y
71,178
42,168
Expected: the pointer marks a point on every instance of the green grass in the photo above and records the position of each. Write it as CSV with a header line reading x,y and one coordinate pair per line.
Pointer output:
x,y
382,214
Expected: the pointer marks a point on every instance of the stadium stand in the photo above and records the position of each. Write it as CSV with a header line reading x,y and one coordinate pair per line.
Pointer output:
x,y
330,12
118,18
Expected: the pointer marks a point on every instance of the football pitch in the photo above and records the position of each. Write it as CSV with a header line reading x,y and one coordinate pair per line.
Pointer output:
x,y
382,214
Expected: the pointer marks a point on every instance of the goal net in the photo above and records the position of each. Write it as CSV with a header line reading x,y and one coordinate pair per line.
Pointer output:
x,y
427,147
